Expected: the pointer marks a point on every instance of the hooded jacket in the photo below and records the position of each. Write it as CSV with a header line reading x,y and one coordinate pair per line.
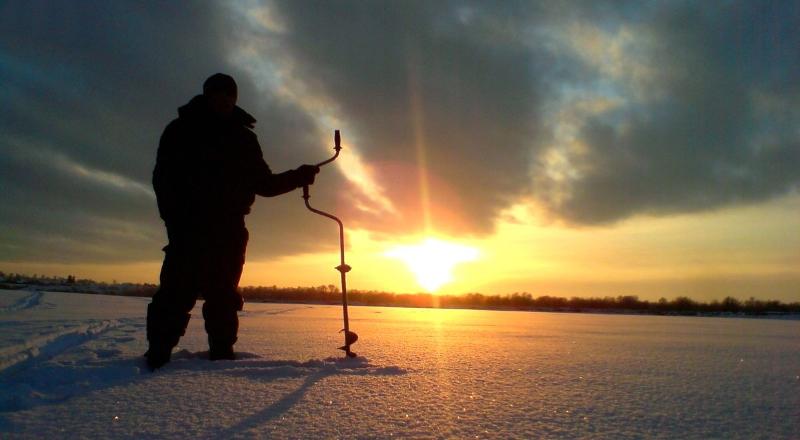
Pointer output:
x,y
208,170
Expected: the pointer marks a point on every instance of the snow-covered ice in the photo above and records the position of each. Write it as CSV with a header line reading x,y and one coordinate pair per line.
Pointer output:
x,y
71,366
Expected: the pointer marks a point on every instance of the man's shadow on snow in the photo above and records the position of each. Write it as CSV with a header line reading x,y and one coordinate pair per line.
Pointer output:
x,y
314,371
53,383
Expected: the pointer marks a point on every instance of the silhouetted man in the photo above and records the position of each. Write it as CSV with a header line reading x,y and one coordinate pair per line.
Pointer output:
x,y
208,170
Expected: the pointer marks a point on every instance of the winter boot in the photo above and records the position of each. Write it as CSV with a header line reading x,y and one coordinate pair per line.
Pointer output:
x,y
157,356
164,329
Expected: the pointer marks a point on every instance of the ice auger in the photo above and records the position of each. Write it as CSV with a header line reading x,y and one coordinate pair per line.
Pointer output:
x,y
349,337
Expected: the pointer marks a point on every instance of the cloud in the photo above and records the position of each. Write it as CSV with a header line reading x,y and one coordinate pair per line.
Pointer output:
x,y
451,113
87,91
596,113
441,96
705,113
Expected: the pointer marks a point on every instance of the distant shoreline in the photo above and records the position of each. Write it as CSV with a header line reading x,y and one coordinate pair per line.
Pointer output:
x,y
329,295
776,315
791,316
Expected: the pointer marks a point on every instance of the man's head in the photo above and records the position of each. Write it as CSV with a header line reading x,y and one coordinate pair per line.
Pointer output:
x,y
221,92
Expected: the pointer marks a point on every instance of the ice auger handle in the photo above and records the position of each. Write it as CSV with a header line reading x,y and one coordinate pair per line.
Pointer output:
x,y
337,140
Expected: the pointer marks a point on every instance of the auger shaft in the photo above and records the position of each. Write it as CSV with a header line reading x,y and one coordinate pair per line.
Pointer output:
x,y
349,337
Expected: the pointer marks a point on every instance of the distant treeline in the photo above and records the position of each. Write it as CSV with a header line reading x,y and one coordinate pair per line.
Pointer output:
x,y
72,284
330,294
521,301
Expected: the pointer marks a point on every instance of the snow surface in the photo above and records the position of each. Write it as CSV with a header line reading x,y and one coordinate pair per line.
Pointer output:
x,y
71,366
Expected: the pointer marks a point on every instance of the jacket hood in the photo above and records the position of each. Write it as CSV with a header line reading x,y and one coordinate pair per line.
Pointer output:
x,y
197,108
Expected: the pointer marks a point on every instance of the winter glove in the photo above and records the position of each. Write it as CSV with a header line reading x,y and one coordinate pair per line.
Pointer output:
x,y
305,174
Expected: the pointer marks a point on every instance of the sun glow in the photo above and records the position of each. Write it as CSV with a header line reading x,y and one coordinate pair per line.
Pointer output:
x,y
433,260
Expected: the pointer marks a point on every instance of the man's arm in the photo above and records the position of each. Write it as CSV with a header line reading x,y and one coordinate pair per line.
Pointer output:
x,y
271,185
168,177
268,184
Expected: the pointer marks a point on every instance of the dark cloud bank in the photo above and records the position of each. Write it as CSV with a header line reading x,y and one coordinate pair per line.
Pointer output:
x,y
722,131
91,86
88,87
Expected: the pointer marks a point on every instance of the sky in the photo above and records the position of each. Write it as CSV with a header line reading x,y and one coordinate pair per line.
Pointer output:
x,y
557,148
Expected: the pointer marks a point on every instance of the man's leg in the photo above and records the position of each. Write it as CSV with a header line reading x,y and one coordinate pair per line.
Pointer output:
x,y
222,299
168,312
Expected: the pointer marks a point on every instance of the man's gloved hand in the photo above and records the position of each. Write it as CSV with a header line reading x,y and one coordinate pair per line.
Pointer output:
x,y
305,174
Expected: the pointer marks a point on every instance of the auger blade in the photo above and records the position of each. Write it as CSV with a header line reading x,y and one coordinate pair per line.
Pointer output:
x,y
350,338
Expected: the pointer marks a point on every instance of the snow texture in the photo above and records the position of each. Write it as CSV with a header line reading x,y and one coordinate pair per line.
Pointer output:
x,y
71,366
29,300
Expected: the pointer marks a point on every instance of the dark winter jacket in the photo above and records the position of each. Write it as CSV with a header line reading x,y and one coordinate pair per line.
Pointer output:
x,y
208,170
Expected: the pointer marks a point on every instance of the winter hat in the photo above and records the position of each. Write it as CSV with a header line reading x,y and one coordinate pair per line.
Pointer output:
x,y
220,82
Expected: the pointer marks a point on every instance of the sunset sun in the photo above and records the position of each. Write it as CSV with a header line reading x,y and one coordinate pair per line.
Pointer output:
x,y
433,260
